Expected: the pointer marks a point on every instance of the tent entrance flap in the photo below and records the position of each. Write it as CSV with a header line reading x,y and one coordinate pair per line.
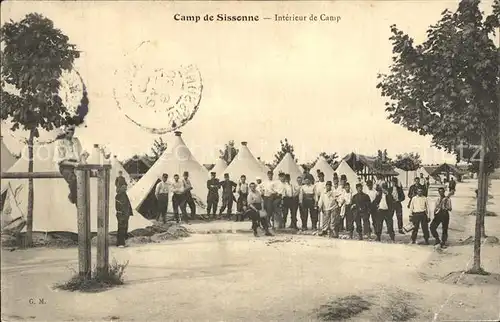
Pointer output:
x,y
148,207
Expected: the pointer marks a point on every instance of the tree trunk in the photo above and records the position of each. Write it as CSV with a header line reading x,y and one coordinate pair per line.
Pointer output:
x,y
484,202
31,194
476,268
406,178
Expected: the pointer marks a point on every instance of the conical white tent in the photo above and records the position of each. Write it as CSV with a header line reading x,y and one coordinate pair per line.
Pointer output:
x,y
219,167
245,163
324,167
345,169
16,191
173,161
288,165
52,211
7,158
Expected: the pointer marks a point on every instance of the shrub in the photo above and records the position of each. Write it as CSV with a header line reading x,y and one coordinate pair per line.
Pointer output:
x,y
97,282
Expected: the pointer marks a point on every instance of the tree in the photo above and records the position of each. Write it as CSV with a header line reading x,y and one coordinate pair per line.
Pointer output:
x,y
408,162
330,158
159,146
229,152
382,161
448,88
285,148
34,56
308,165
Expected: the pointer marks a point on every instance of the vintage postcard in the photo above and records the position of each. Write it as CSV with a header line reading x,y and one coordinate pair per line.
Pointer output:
x,y
250,160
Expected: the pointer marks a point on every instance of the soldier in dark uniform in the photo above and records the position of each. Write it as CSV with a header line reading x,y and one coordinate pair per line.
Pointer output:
x,y
398,195
213,187
228,188
123,212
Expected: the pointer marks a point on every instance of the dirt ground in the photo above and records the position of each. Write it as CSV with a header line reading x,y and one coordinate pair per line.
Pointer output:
x,y
235,277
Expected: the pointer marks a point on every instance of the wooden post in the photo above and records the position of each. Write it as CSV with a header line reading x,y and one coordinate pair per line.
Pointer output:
x,y
103,221
83,210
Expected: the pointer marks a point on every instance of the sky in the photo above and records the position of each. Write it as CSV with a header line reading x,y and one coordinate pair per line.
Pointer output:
x,y
311,82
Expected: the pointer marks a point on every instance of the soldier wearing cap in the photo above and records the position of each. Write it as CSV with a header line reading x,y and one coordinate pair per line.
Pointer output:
x,y
188,197
288,200
242,190
162,191
319,188
361,210
308,204
372,193
327,204
213,187
441,217
384,212
268,196
228,190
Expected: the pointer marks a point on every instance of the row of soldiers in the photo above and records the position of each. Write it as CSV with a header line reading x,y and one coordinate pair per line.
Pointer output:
x,y
180,190
269,203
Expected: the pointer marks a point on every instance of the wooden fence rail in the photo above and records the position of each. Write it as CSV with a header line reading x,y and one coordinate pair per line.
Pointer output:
x,y
83,175
35,175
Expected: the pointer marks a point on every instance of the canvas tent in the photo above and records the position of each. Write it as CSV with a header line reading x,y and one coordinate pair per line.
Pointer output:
x,y
7,158
245,163
7,161
323,166
219,167
173,161
288,165
52,211
344,169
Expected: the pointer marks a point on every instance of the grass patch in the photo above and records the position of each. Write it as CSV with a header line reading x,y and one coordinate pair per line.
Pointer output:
x,y
97,282
396,305
401,311
343,308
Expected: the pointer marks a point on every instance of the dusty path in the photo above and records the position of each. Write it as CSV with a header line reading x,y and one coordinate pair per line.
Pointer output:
x,y
235,277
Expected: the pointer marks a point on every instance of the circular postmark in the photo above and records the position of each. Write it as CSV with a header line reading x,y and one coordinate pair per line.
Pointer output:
x,y
73,94
157,99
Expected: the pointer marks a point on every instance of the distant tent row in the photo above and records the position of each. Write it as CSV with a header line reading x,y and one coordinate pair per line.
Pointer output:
x,y
54,213
436,172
